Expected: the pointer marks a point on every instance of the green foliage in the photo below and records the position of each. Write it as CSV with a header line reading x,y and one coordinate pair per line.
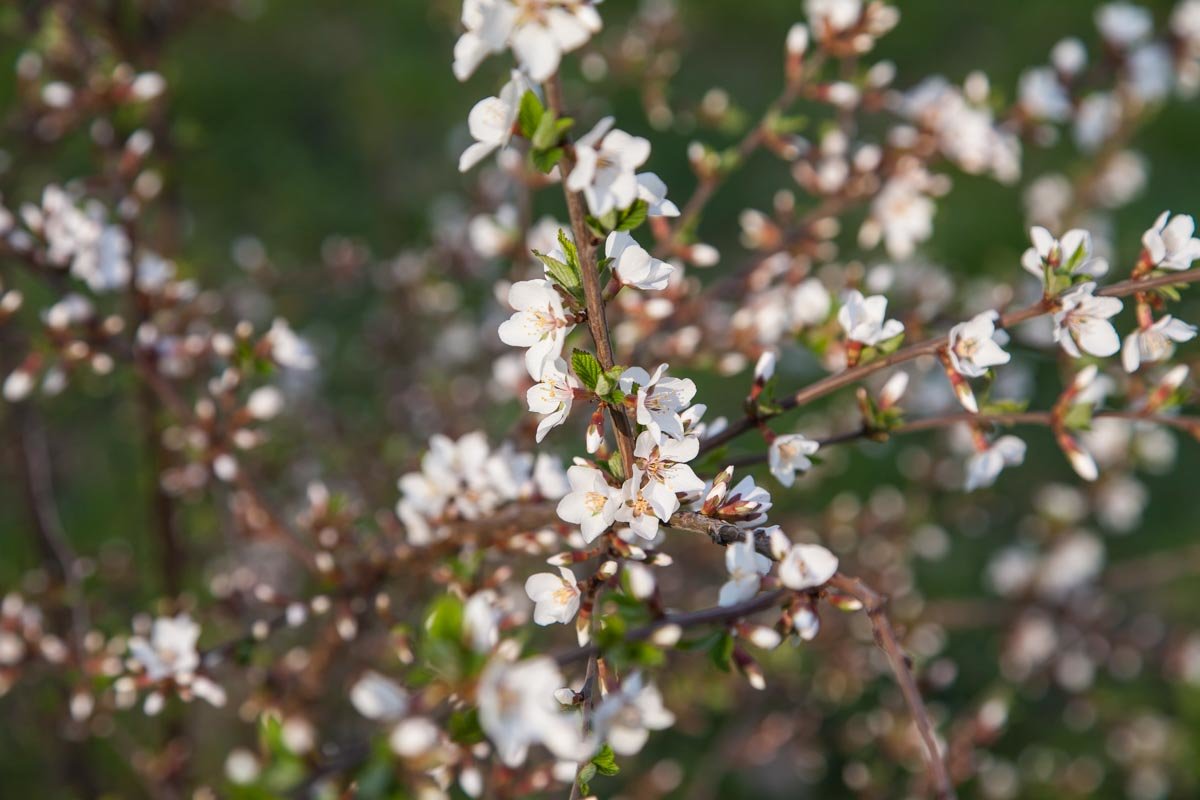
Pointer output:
x,y
586,368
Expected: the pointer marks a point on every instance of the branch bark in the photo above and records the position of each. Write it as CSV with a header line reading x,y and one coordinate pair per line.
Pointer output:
x,y
592,290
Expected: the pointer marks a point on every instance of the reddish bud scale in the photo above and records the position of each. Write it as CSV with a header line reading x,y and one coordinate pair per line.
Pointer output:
x,y
853,353
962,388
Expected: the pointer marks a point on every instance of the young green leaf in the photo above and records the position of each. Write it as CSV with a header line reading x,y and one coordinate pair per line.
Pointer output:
x,y
633,217
586,368
529,115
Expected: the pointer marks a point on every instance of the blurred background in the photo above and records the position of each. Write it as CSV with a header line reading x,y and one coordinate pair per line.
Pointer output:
x,y
313,149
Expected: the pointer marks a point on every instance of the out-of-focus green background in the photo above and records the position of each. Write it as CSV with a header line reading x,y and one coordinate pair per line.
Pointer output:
x,y
299,120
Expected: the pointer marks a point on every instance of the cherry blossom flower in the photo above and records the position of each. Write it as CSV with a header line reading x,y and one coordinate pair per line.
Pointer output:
x,y
538,31
864,319
637,510
746,567
625,717
1170,244
633,265
973,348
833,15
517,709
1156,343
491,121
745,505
1043,95
660,399
171,649
807,566
288,349
171,654
810,303
789,453
379,698
1124,24
665,474
1082,323
552,396
901,214
539,323
652,190
556,597
984,467
481,621
606,167
1071,254
591,504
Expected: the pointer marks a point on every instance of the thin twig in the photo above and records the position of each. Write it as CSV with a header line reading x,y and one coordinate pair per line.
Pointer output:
x,y
885,637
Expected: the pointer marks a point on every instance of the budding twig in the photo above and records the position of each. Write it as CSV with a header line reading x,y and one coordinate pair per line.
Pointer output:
x,y
930,346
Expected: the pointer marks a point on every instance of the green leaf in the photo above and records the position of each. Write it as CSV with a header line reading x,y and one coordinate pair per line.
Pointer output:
x,y
546,160
529,115
445,617
632,217
464,727
1079,418
586,368
562,274
569,249
585,777
606,761
546,135
722,652
616,466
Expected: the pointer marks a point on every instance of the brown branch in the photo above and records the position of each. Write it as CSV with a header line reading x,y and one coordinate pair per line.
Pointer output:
x,y
592,291
885,637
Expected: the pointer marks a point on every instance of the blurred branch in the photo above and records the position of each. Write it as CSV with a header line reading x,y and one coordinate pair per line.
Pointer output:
x,y
885,637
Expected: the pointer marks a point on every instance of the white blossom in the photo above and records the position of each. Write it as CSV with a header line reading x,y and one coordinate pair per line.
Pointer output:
x,y
491,121
1124,24
379,698
538,31
288,349
1072,253
653,191
788,454
625,717
633,265
591,503
555,597
807,566
973,348
901,214
517,709
552,397
746,567
665,473
984,467
171,650
636,509
1156,343
1082,323
606,167
539,323
660,399
864,319
1170,244
810,303
481,621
